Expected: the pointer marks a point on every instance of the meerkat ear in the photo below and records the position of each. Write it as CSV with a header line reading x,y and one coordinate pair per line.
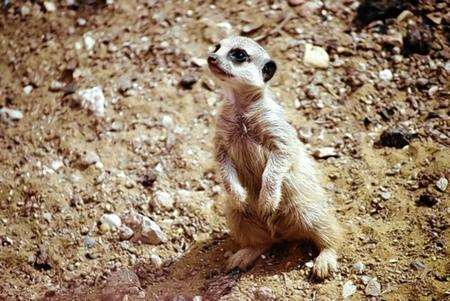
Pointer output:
x,y
269,70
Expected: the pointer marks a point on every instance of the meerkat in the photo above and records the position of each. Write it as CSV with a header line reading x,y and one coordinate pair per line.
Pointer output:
x,y
274,187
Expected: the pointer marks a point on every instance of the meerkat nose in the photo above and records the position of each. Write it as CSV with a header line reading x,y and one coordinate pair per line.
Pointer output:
x,y
212,58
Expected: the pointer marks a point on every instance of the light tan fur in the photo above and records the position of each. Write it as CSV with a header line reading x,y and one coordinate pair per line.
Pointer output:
x,y
274,186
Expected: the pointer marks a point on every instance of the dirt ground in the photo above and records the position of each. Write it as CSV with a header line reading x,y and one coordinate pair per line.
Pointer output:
x,y
381,106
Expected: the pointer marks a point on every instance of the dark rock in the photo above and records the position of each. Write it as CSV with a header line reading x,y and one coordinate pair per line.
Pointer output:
x,y
418,39
373,10
188,81
417,265
427,200
42,260
396,138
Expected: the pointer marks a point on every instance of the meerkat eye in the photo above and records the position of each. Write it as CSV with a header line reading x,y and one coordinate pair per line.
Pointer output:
x,y
217,48
238,55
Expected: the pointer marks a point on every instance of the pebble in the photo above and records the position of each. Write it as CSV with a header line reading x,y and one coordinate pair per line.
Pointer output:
x,y
145,229
156,261
47,216
295,2
8,115
373,288
417,265
385,195
104,228
199,62
187,81
264,293
163,200
397,138
309,264
325,152
125,232
56,86
167,121
89,42
93,100
442,184
125,84
112,220
315,56
25,10
89,158
309,8
359,267
81,22
427,200
348,289
89,242
49,6
385,75
27,89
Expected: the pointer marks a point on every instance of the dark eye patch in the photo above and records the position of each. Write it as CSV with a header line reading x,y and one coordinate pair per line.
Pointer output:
x,y
238,55
217,48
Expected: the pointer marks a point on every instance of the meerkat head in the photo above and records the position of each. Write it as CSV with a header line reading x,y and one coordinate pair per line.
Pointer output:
x,y
241,63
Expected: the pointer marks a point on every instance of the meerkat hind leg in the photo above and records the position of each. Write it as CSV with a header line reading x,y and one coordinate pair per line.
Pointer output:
x,y
245,257
325,263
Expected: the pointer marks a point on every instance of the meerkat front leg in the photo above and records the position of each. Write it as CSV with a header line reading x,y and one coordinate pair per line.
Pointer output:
x,y
230,178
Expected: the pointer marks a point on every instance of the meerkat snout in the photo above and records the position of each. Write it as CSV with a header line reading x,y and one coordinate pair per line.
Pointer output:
x,y
274,187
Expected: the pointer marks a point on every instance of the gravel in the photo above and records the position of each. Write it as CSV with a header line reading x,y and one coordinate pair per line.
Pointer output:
x,y
373,288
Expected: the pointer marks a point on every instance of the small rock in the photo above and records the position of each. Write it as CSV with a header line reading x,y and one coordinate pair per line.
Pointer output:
x,y
145,229
57,164
427,200
365,279
25,10
49,6
296,2
89,242
47,216
163,200
385,75
9,115
359,267
81,22
309,264
56,86
442,184
385,195
348,289
199,62
89,158
104,228
27,89
394,138
373,288
264,294
156,261
93,100
417,40
325,152
89,42
187,81
310,7
125,84
167,122
417,265
315,56
116,126
112,220
125,232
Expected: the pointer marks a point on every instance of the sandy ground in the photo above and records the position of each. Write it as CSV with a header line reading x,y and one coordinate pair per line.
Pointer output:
x,y
63,166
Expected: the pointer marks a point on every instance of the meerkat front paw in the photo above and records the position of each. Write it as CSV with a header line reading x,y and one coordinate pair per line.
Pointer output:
x,y
325,264
244,258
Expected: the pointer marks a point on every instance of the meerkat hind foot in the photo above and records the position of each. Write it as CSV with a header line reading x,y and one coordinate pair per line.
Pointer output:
x,y
325,263
244,258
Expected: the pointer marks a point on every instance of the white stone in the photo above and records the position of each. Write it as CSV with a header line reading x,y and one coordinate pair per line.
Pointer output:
x,y
93,100
315,56
145,229
57,164
373,288
89,158
442,184
156,261
167,121
348,289
125,232
50,6
163,200
89,41
27,89
25,10
359,267
112,220
8,115
325,152
309,264
81,22
385,75
56,86
385,195
199,62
